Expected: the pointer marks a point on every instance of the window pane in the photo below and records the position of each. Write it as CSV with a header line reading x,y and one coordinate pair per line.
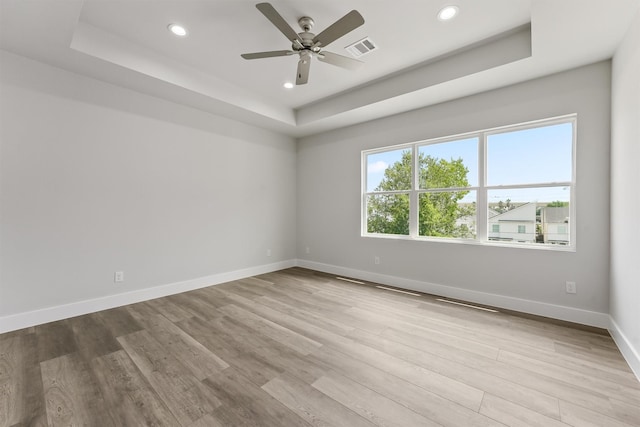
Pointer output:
x,y
388,213
389,171
449,164
447,214
530,215
538,155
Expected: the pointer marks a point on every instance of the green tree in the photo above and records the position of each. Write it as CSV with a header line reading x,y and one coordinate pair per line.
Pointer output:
x,y
438,211
557,204
504,207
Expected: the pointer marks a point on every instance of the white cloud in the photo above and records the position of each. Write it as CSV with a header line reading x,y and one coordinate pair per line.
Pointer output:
x,y
377,167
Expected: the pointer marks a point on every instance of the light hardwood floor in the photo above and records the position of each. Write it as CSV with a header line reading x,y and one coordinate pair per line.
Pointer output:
x,y
299,348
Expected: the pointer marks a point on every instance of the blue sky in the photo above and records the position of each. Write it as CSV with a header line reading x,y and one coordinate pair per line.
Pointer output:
x,y
539,155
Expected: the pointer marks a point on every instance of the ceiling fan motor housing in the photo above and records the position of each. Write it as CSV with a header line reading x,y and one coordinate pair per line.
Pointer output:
x,y
307,37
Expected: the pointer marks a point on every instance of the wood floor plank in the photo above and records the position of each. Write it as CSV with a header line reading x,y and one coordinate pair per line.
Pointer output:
x,y
247,289
323,322
493,328
283,358
514,415
169,309
442,385
307,300
193,355
554,387
312,405
368,404
235,349
575,415
583,366
11,379
196,306
92,337
291,339
460,341
455,368
71,394
33,397
21,391
186,397
493,331
626,412
612,360
243,404
54,339
365,296
612,389
300,326
118,321
133,401
210,296
418,399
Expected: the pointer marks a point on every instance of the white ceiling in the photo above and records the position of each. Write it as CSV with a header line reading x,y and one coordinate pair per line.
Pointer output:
x,y
126,42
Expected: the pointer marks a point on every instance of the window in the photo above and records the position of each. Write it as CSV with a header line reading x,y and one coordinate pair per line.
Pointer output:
x,y
513,184
388,189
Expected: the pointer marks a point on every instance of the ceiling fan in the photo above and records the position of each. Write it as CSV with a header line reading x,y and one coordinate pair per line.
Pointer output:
x,y
307,44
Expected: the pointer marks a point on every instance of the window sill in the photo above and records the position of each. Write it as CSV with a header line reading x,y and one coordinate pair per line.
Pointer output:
x,y
538,247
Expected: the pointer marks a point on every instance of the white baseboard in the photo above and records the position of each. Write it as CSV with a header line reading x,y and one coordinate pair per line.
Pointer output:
x,y
50,314
631,354
570,314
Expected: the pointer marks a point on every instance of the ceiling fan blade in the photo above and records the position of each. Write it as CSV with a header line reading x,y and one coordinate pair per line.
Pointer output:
x,y
271,54
339,60
342,26
277,20
302,76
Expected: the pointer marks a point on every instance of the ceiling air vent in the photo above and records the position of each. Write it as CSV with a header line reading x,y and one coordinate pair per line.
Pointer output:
x,y
361,47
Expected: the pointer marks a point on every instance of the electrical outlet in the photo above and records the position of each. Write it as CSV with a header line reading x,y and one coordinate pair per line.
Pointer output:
x,y
571,287
268,252
376,260
308,250
118,276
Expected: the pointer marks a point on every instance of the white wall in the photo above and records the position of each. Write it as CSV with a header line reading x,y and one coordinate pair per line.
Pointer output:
x,y
625,197
95,178
525,279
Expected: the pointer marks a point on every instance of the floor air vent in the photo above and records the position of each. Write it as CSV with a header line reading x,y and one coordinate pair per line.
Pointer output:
x,y
398,290
467,305
349,280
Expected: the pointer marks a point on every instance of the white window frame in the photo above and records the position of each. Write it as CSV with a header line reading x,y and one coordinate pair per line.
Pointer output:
x,y
482,189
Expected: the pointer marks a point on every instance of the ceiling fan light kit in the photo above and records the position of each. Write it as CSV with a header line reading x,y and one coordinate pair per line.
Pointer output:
x,y
307,44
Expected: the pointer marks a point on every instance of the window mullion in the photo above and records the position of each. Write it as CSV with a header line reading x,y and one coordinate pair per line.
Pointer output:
x,y
482,208
413,196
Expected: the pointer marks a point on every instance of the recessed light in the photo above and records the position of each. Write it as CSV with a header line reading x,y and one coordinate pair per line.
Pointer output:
x,y
447,13
178,30
288,85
